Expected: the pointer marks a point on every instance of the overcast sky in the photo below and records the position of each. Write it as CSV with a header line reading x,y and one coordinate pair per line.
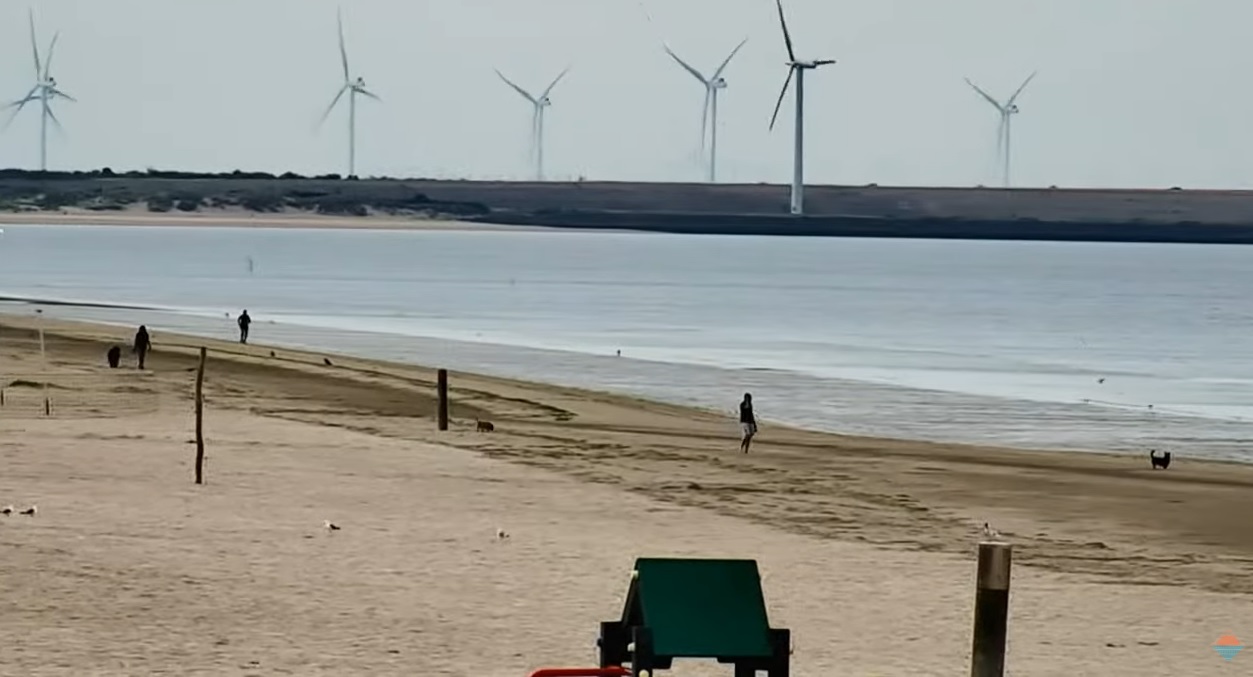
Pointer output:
x,y
1135,93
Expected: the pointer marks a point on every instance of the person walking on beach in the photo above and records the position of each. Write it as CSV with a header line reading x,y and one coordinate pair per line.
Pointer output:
x,y
748,422
143,343
244,323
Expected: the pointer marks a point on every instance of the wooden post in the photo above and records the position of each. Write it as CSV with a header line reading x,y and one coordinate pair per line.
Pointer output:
x,y
43,359
441,388
200,417
991,610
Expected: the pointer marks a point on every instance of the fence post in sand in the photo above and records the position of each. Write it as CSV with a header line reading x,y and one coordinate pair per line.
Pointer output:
x,y
441,388
991,610
200,417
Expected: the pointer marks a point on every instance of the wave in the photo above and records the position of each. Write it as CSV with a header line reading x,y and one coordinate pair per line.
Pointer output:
x,y
108,305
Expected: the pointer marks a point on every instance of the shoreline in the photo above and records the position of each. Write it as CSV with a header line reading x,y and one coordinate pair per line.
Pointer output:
x,y
233,218
1095,513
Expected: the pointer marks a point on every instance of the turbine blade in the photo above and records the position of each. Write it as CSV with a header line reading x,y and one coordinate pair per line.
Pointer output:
x,y
34,47
554,82
331,107
52,47
535,124
1020,88
343,51
370,94
518,89
986,95
53,116
17,107
782,92
30,96
1000,136
721,68
58,93
704,120
687,67
787,37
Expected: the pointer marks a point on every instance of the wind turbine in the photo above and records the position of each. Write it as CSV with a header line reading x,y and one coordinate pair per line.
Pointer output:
x,y
1005,110
44,91
709,113
537,118
796,68
353,87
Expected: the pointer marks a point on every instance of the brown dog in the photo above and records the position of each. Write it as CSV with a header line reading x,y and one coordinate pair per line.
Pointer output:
x,y
485,426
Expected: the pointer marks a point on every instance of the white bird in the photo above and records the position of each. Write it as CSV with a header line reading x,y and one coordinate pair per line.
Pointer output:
x,y
501,534
31,510
989,533
6,510
330,526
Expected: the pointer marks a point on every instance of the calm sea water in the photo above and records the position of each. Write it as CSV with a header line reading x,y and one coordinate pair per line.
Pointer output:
x,y
964,341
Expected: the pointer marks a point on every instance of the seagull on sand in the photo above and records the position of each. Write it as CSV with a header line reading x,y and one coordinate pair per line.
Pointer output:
x,y
501,534
327,362
30,511
7,510
330,526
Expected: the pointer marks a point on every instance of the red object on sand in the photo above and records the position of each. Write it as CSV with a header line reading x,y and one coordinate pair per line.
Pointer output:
x,y
615,671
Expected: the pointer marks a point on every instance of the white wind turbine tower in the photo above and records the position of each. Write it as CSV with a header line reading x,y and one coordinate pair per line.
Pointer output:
x,y
44,91
1005,110
796,68
709,113
353,87
537,118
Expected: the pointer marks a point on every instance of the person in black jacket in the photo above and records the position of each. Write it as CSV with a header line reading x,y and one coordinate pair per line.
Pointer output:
x,y
244,323
143,343
748,422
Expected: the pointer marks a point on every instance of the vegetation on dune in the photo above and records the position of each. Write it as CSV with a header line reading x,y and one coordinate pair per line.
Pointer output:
x,y
165,191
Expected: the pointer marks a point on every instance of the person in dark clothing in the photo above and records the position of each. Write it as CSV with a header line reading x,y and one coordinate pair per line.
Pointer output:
x,y
748,422
143,343
244,323
115,357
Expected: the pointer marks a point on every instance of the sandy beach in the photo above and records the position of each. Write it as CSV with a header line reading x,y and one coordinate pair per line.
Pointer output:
x,y
240,218
866,544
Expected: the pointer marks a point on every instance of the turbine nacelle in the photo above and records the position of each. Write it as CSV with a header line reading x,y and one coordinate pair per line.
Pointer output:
x,y
718,83
810,65
544,102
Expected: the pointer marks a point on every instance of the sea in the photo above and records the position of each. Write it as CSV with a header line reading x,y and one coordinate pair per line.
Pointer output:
x,y
1072,346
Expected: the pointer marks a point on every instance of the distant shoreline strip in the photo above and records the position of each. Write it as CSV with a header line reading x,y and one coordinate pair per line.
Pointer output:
x,y
35,301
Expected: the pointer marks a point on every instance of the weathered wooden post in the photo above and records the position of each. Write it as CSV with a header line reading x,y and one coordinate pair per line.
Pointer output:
x,y
441,388
991,610
200,417
43,359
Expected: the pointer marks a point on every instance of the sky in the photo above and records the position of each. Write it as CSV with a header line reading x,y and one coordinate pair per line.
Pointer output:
x,y
1130,93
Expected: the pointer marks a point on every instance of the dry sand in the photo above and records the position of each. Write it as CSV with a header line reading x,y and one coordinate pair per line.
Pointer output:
x,y
866,545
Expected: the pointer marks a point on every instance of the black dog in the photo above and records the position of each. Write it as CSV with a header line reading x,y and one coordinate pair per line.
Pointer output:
x,y
1162,461
485,426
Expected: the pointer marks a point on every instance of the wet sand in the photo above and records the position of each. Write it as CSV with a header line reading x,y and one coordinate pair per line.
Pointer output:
x,y
128,568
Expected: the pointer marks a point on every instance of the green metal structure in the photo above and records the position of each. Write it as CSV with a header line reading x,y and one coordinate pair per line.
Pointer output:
x,y
695,608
